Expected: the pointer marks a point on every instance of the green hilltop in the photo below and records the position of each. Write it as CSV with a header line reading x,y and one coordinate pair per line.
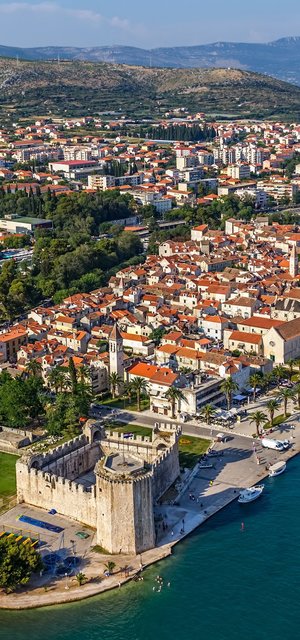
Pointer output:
x,y
77,88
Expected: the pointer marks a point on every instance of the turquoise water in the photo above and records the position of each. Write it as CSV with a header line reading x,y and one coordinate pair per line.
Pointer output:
x,y
226,584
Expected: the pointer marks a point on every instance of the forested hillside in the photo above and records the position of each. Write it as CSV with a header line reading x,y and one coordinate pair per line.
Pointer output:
x,y
72,258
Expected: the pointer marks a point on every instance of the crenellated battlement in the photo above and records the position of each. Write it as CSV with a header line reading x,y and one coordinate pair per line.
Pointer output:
x,y
131,474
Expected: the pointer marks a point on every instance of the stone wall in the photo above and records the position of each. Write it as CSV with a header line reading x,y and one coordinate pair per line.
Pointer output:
x,y
75,463
48,491
138,445
120,508
125,520
165,471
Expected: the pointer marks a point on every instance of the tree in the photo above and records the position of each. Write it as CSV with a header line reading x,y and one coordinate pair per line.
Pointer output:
x,y
297,393
114,383
271,407
157,334
207,412
81,578
34,397
258,418
84,373
34,368
279,372
73,375
284,396
228,386
140,387
267,380
291,364
255,380
110,566
56,379
128,390
174,395
17,563
13,412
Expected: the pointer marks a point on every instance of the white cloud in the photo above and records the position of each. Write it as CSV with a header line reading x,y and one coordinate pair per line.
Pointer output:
x,y
88,15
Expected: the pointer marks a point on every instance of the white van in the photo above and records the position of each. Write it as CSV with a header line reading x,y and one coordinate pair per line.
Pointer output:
x,y
270,443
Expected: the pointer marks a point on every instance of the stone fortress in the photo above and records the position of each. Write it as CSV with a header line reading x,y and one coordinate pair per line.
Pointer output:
x,y
106,481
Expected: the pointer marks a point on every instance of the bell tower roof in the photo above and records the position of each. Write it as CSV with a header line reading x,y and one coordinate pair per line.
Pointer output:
x,y
115,334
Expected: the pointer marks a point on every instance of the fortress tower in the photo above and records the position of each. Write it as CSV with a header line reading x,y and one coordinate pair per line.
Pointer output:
x,y
125,519
294,264
105,481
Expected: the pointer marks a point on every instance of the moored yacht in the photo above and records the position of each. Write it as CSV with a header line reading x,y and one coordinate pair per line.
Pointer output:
x,y
277,468
250,494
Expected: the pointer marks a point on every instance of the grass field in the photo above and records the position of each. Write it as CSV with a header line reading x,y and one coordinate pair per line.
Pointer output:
x,y
7,475
190,449
277,421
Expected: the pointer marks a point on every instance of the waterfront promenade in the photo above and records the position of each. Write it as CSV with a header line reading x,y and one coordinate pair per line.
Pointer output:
x,y
209,490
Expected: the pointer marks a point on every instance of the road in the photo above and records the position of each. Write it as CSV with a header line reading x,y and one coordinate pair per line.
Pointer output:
x,y
188,428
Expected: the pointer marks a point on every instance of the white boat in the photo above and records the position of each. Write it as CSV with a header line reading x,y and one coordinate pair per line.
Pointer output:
x,y
250,494
277,468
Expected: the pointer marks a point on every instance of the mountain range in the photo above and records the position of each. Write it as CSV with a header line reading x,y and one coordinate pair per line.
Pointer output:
x,y
280,58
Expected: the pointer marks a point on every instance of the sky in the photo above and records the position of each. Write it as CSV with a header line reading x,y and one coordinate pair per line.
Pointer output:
x,y
144,23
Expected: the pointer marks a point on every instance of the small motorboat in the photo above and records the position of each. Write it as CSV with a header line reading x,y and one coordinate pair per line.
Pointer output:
x,y
250,494
277,468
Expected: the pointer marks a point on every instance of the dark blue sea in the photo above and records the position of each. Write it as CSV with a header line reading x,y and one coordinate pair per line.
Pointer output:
x,y
226,583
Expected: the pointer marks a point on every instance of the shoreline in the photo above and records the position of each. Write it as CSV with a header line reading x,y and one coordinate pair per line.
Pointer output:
x,y
32,600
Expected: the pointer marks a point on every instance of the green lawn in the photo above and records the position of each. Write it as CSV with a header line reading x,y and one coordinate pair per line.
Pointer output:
x,y
7,475
190,449
277,421
123,403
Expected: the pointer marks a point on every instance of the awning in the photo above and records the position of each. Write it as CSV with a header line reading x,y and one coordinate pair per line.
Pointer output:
x,y
239,398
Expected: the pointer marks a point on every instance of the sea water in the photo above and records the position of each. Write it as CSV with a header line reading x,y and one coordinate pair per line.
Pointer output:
x,y
235,578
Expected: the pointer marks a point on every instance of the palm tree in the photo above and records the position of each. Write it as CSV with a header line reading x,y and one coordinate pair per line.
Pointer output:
x,y
258,418
55,379
114,382
279,372
297,393
228,386
284,396
207,412
267,379
291,364
84,373
128,390
174,395
271,407
139,386
81,578
110,566
34,368
255,380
